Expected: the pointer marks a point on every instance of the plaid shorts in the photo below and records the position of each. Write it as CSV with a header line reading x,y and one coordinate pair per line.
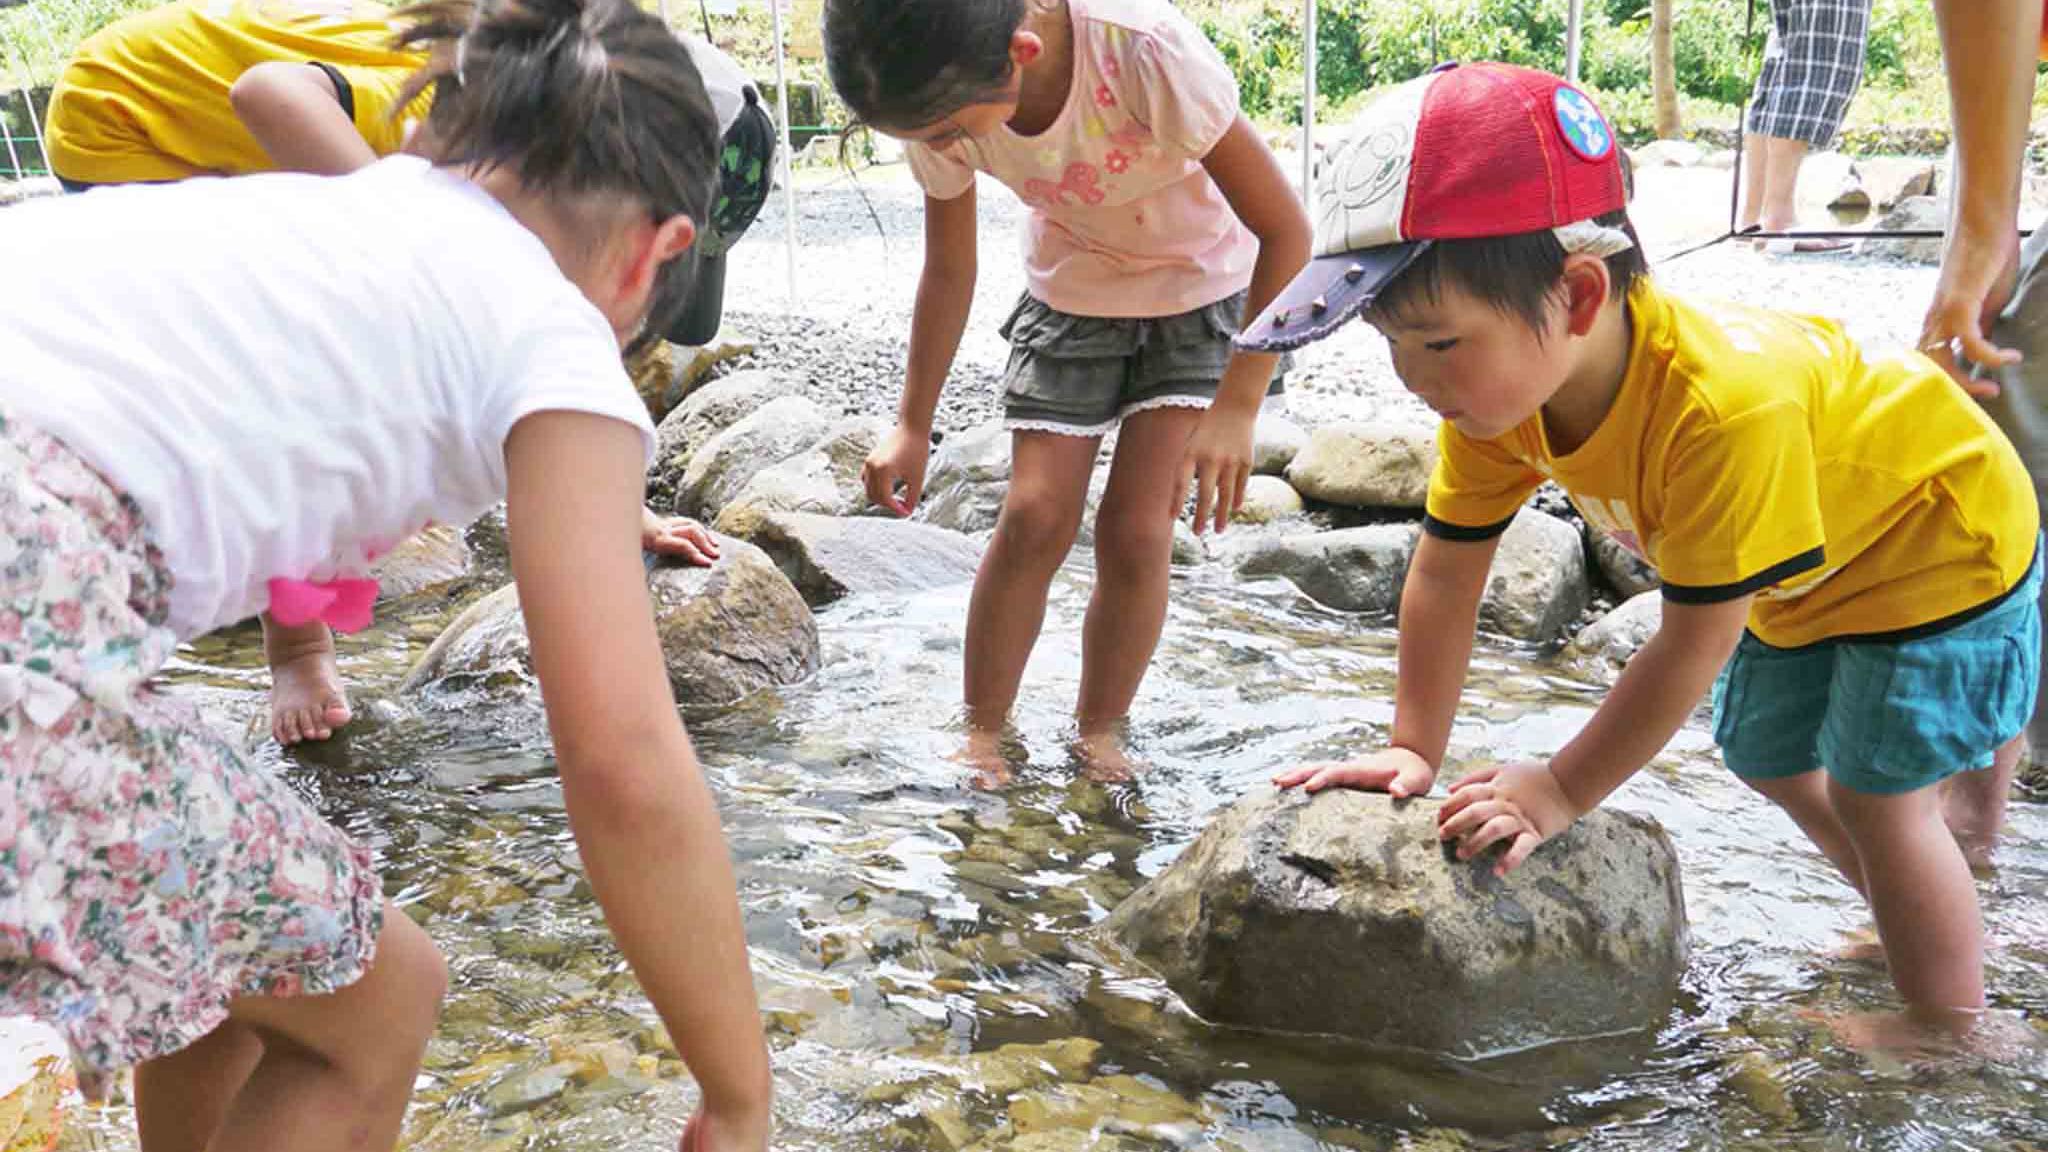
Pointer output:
x,y
1812,65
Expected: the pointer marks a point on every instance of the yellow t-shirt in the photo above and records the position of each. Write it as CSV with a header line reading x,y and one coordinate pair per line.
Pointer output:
x,y
1756,451
146,98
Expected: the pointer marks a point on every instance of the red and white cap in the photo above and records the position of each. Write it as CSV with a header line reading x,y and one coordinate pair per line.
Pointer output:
x,y
1461,152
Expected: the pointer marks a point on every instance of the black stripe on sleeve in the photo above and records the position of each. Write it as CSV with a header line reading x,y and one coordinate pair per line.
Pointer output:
x,y
1806,561
1443,530
343,90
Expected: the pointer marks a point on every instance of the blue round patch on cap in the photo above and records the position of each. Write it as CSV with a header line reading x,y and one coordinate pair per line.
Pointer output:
x,y
1581,126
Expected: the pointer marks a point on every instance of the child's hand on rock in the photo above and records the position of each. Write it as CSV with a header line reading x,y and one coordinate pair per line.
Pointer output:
x,y
1520,805
1396,771
677,536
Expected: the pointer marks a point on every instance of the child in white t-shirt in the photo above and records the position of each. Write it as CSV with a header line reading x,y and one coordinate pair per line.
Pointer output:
x,y
223,397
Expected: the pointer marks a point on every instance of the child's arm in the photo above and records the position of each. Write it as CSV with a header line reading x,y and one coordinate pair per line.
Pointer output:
x,y
1990,47
1220,453
1439,611
945,295
1526,804
295,112
643,819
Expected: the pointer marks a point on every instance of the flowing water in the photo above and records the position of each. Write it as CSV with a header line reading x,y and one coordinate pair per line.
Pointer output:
x,y
922,951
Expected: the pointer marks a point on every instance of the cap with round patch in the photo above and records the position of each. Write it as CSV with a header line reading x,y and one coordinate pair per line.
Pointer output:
x,y
1458,153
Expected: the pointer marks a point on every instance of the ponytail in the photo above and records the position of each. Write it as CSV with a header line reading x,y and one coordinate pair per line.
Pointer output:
x,y
572,96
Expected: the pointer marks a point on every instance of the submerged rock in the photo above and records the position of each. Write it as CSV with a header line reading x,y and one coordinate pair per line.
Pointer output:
x,y
726,631
1344,915
828,557
1351,569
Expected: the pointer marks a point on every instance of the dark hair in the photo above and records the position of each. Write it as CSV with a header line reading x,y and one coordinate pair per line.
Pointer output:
x,y
1518,275
573,96
901,64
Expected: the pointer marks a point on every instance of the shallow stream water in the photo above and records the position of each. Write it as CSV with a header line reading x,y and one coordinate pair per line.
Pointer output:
x,y
922,951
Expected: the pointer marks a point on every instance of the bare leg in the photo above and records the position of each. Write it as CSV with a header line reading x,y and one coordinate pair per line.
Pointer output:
x,y
1040,518
1805,798
1780,204
1133,566
1925,904
180,1099
1973,803
306,697
337,1070
1755,170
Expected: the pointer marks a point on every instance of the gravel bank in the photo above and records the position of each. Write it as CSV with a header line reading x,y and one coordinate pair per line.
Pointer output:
x,y
849,333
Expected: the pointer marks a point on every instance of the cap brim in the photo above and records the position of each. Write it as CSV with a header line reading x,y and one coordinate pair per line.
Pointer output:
x,y
1326,295
704,309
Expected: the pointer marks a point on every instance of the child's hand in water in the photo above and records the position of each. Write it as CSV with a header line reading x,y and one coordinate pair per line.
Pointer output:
x,y
677,536
1521,805
899,459
1394,770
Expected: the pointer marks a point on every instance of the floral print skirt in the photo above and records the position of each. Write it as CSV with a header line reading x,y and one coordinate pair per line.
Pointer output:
x,y
148,873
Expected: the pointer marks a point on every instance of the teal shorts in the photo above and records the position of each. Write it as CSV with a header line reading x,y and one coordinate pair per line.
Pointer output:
x,y
1884,716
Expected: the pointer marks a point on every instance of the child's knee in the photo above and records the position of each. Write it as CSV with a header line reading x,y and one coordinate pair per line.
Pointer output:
x,y
1130,538
1039,525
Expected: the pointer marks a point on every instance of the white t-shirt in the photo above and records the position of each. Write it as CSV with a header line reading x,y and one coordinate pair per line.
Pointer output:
x,y
289,373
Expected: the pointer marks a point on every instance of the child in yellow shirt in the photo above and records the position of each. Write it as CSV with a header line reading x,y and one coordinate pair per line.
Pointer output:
x,y
230,87
1849,545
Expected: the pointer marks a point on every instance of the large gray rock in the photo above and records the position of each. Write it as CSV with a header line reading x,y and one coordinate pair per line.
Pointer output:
x,y
703,415
426,559
1606,645
1276,441
726,632
824,478
1629,574
720,470
1913,214
1366,465
1344,914
828,557
967,480
1538,582
1352,569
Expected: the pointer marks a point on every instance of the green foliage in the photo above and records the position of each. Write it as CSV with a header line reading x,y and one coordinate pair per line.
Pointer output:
x,y
1367,44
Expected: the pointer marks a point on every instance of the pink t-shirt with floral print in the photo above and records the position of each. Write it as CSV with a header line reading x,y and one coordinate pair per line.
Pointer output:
x,y
1124,219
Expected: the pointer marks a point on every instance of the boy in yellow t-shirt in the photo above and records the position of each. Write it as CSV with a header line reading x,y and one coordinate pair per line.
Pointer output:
x,y
230,87
1852,539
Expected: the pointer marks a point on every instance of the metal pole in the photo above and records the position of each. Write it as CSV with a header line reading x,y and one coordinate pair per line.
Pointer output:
x,y
1571,40
1308,106
788,169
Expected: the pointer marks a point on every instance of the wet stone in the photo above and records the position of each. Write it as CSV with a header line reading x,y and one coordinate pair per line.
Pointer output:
x,y
530,1089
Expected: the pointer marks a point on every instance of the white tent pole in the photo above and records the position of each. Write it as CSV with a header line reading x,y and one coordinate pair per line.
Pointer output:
x,y
788,169
1308,106
1572,29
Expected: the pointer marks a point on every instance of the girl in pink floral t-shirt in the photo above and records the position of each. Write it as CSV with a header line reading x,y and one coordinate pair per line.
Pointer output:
x,y
1159,221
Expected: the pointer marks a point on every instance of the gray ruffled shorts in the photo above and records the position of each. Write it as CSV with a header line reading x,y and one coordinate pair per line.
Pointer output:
x,y
1082,375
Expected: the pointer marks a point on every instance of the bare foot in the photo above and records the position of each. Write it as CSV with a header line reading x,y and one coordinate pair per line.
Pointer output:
x,y
306,697
1104,758
983,752
1924,1037
1860,945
